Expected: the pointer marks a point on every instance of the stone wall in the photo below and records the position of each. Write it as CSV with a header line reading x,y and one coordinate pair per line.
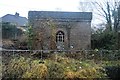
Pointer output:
x,y
80,35
77,34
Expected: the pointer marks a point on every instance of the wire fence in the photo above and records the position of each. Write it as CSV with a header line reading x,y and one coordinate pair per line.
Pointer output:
x,y
76,54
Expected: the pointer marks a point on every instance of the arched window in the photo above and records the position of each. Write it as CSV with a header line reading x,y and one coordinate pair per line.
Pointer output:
x,y
60,36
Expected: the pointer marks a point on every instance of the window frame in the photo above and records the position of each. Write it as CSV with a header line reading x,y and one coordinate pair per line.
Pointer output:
x,y
60,36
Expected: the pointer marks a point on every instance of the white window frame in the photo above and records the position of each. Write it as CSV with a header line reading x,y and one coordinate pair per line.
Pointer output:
x,y
60,36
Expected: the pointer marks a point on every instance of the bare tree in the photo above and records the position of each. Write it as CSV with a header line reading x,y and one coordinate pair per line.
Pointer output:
x,y
44,35
52,26
108,11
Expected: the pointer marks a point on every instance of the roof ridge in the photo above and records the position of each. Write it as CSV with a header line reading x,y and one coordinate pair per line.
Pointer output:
x,y
58,15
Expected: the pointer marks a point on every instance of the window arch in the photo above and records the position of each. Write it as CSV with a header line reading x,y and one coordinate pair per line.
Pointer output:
x,y
60,36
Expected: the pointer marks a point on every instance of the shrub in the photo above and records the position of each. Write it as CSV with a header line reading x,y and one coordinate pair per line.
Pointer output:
x,y
52,68
36,71
55,69
16,68
89,73
25,68
113,72
112,69
69,75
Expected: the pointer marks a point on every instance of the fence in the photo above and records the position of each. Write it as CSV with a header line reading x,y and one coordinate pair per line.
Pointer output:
x,y
76,54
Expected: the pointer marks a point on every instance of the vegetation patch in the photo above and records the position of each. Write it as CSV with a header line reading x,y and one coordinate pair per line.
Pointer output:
x,y
52,68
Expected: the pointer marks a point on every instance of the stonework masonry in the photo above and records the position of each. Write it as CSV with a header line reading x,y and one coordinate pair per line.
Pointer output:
x,y
72,30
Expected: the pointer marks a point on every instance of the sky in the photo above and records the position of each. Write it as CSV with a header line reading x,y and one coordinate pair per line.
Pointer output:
x,y
23,6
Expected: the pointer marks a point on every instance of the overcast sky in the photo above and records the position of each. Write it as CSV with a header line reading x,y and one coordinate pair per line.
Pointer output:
x,y
23,6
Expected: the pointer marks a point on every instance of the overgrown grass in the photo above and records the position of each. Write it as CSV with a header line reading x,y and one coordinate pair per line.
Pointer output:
x,y
56,66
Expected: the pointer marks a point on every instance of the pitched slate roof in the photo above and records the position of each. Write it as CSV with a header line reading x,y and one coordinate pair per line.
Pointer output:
x,y
59,15
21,21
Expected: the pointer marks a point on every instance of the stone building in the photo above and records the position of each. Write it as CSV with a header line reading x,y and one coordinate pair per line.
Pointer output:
x,y
71,30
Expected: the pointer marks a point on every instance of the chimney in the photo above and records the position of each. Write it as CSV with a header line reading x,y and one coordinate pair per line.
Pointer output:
x,y
17,14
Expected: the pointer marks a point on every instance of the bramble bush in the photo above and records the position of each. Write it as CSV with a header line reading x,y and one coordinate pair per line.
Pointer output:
x,y
52,68
25,68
